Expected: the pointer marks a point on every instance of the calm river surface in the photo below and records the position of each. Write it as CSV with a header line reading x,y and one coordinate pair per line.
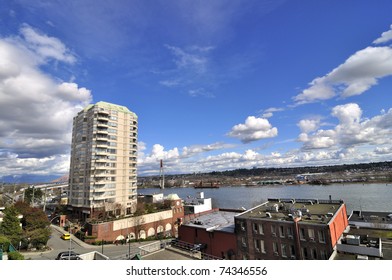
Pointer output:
x,y
368,197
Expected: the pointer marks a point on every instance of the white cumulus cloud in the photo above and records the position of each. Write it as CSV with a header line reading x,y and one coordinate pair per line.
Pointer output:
x,y
253,129
385,37
36,110
355,76
352,130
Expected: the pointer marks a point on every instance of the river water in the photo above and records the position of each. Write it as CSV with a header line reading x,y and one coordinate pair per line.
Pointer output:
x,y
366,197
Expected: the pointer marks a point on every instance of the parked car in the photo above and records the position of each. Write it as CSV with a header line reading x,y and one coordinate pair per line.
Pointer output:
x,y
66,236
68,255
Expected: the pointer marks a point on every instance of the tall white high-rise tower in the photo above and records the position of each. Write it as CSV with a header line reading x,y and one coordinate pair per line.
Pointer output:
x,y
102,178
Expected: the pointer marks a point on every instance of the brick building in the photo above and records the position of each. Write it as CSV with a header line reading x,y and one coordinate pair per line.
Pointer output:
x,y
290,229
214,229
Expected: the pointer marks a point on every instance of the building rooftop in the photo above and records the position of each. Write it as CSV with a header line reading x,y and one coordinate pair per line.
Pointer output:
x,y
309,210
110,106
371,217
215,221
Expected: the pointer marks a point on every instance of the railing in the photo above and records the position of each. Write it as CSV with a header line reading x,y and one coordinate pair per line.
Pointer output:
x,y
193,250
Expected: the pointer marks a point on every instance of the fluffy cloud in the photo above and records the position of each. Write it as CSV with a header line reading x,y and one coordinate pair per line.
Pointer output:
x,y
36,110
253,129
309,125
45,47
385,37
351,131
356,75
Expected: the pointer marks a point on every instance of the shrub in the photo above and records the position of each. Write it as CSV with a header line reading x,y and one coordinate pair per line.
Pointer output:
x,y
15,256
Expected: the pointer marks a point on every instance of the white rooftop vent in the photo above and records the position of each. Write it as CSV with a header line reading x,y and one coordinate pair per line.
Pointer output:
x,y
268,214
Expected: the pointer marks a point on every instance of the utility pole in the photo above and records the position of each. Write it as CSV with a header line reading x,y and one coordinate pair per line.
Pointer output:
x,y
32,198
44,208
162,176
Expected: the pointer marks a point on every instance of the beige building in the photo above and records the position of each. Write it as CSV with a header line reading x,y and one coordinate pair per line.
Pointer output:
x,y
102,179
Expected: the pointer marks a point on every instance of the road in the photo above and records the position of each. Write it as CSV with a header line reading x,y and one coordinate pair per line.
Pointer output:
x,y
57,245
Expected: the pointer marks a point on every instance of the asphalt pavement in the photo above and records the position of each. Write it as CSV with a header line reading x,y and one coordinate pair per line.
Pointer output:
x,y
113,251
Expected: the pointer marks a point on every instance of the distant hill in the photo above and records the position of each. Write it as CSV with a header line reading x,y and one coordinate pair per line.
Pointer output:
x,y
62,179
28,179
282,171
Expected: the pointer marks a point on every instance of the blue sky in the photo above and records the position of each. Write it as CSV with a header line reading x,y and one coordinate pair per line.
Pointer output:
x,y
217,85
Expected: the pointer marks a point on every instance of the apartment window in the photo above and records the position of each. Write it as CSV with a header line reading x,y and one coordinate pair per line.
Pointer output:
x,y
275,248
243,241
311,234
262,246
257,245
321,236
261,229
290,232
292,251
302,234
323,255
313,253
242,226
258,228
305,253
273,230
284,250
281,231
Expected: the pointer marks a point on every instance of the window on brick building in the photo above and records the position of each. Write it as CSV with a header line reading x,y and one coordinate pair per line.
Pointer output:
x,y
311,234
292,251
321,236
258,228
313,253
243,241
273,230
290,232
302,234
281,231
284,250
305,253
275,248
262,246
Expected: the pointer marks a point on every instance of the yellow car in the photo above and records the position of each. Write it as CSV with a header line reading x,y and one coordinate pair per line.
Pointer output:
x,y
66,236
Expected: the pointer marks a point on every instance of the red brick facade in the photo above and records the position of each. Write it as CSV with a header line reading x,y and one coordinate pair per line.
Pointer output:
x,y
219,243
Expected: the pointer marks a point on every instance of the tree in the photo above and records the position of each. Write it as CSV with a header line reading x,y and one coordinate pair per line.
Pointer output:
x,y
4,242
36,229
31,193
10,227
